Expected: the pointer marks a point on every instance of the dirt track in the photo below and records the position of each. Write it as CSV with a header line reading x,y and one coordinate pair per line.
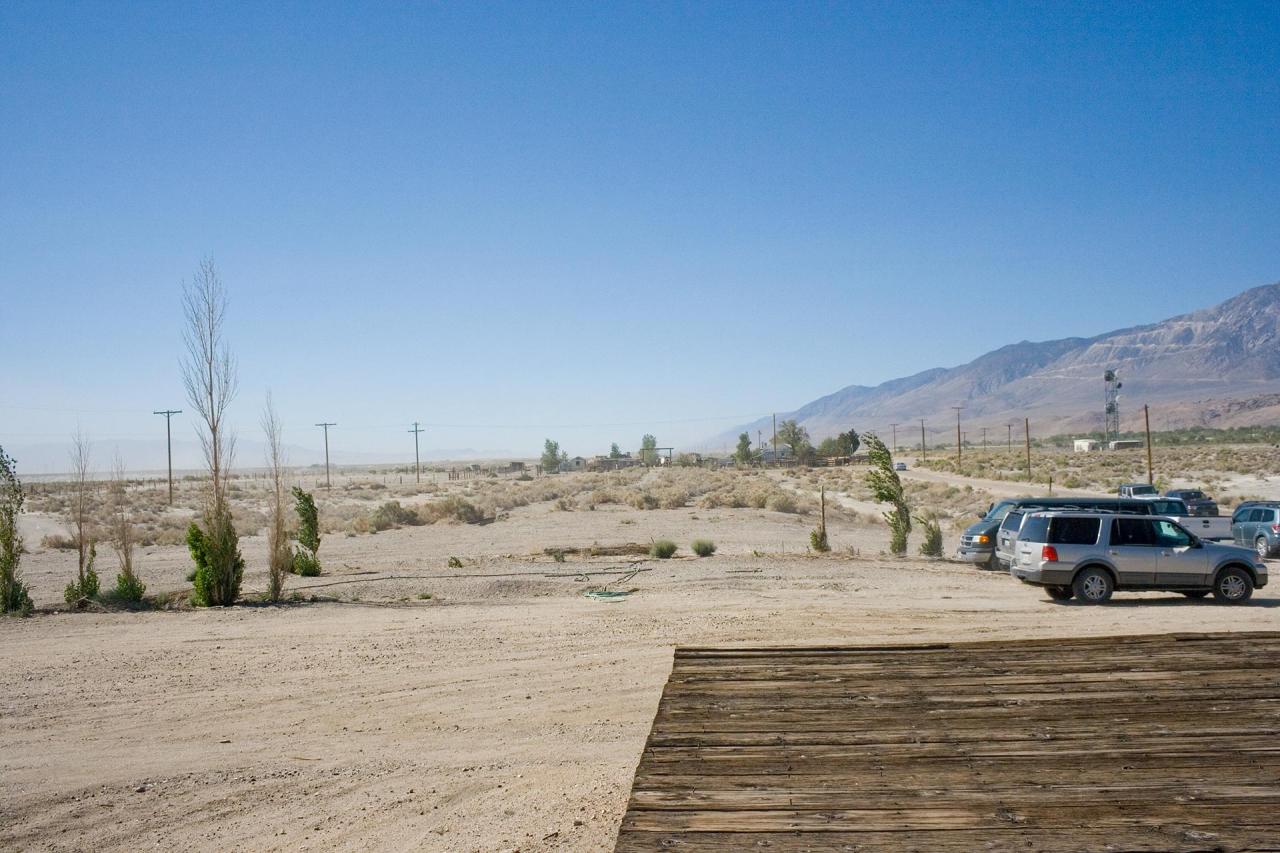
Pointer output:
x,y
505,713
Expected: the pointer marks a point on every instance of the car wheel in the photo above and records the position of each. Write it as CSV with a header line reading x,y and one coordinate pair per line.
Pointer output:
x,y
1233,586
1093,586
1260,545
1195,593
1059,593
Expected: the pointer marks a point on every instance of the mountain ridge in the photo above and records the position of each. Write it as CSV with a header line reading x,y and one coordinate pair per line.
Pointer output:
x,y
1205,367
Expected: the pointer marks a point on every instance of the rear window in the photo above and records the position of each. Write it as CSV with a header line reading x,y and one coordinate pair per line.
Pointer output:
x,y
1074,531
1034,529
1012,521
1168,507
1143,490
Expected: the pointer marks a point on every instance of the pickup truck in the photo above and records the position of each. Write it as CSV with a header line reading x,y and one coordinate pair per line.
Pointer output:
x,y
1138,490
1214,527
1197,501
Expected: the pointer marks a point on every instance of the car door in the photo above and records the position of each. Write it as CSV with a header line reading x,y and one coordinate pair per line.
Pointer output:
x,y
1179,562
1132,550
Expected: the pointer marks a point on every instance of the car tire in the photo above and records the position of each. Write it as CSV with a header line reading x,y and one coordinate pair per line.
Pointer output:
x,y
1060,593
1195,593
1093,586
1233,586
1262,547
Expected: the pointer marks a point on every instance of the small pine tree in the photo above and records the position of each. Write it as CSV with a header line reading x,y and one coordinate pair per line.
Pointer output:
x,y
932,544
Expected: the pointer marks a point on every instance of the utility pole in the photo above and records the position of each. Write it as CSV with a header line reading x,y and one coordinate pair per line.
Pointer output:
x,y
168,437
1026,425
924,447
958,456
984,439
327,484
894,427
417,467
1146,416
775,439
1010,426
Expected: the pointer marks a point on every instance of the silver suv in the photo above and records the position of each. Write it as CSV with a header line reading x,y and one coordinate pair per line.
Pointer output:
x,y
1089,555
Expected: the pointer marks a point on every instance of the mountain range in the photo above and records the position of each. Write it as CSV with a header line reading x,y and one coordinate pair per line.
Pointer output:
x,y
1216,367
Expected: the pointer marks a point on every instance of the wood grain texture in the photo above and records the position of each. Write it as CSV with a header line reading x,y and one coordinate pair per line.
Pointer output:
x,y
1143,743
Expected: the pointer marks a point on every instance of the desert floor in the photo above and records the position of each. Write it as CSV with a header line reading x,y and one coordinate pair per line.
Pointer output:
x,y
505,712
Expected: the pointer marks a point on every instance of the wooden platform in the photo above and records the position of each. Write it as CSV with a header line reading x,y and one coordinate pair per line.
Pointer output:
x,y
1152,743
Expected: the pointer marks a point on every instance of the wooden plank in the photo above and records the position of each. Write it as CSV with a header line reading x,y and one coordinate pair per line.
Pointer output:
x,y
1155,742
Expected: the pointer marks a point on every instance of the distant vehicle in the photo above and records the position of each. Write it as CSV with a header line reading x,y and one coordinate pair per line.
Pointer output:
x,y
1088,555
978,543
1197,501
1138,490
1256,524
899,466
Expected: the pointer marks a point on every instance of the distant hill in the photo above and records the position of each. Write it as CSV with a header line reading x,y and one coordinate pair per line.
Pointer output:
x,y
1217,367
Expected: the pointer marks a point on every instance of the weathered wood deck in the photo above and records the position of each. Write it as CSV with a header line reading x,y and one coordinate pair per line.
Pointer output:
x,y
1168,743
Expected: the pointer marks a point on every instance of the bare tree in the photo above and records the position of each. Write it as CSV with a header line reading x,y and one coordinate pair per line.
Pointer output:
x,y
209,374
279,552
129,586
86,583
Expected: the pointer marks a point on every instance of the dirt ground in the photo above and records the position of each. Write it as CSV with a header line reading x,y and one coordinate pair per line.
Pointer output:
x,y
505,712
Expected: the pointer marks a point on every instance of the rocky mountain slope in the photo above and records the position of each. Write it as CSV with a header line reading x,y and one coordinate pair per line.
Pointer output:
x,y
1215,367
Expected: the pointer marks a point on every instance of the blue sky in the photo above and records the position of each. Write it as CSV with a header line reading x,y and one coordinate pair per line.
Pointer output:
x,y
593,221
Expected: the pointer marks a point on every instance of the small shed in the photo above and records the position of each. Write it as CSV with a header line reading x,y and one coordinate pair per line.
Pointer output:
x,y
1086,445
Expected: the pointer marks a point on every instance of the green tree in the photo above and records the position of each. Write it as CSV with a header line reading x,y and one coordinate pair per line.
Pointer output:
x,y
796,437
649,450
306,562
615,452
552,456
886,487
743,454
14,597
841,444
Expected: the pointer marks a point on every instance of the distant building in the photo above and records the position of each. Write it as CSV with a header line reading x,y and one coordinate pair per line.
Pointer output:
x,y
575,463
1127,444
1086,445
612,463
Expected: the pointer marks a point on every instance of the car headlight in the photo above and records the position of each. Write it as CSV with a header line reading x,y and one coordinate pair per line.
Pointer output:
x,y
981,539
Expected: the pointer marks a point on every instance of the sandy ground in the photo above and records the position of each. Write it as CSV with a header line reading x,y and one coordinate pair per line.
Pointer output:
x,y
506,712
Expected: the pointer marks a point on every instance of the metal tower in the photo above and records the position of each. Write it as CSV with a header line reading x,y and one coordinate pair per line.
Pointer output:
x,y
1111,407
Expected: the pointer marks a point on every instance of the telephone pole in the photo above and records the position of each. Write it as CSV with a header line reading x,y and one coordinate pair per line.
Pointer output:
x,y
1026,425
168,437
417,467
1010,426
924,448
958,440
1146,416
775,439
894,427
327,484
984,439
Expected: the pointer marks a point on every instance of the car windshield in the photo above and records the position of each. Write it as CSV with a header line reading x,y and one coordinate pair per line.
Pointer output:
x,y
1142,490
1193,495
999,511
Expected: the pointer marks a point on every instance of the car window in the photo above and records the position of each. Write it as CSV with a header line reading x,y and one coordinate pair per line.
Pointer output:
x,y
1132,531
1168,507
1170,535
1192,495
1074,531
1034,529
1268,515
1012,521
1257,515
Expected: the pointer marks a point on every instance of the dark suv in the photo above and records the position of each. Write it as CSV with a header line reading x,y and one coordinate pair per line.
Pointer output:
x,y
1198,503
1256,525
